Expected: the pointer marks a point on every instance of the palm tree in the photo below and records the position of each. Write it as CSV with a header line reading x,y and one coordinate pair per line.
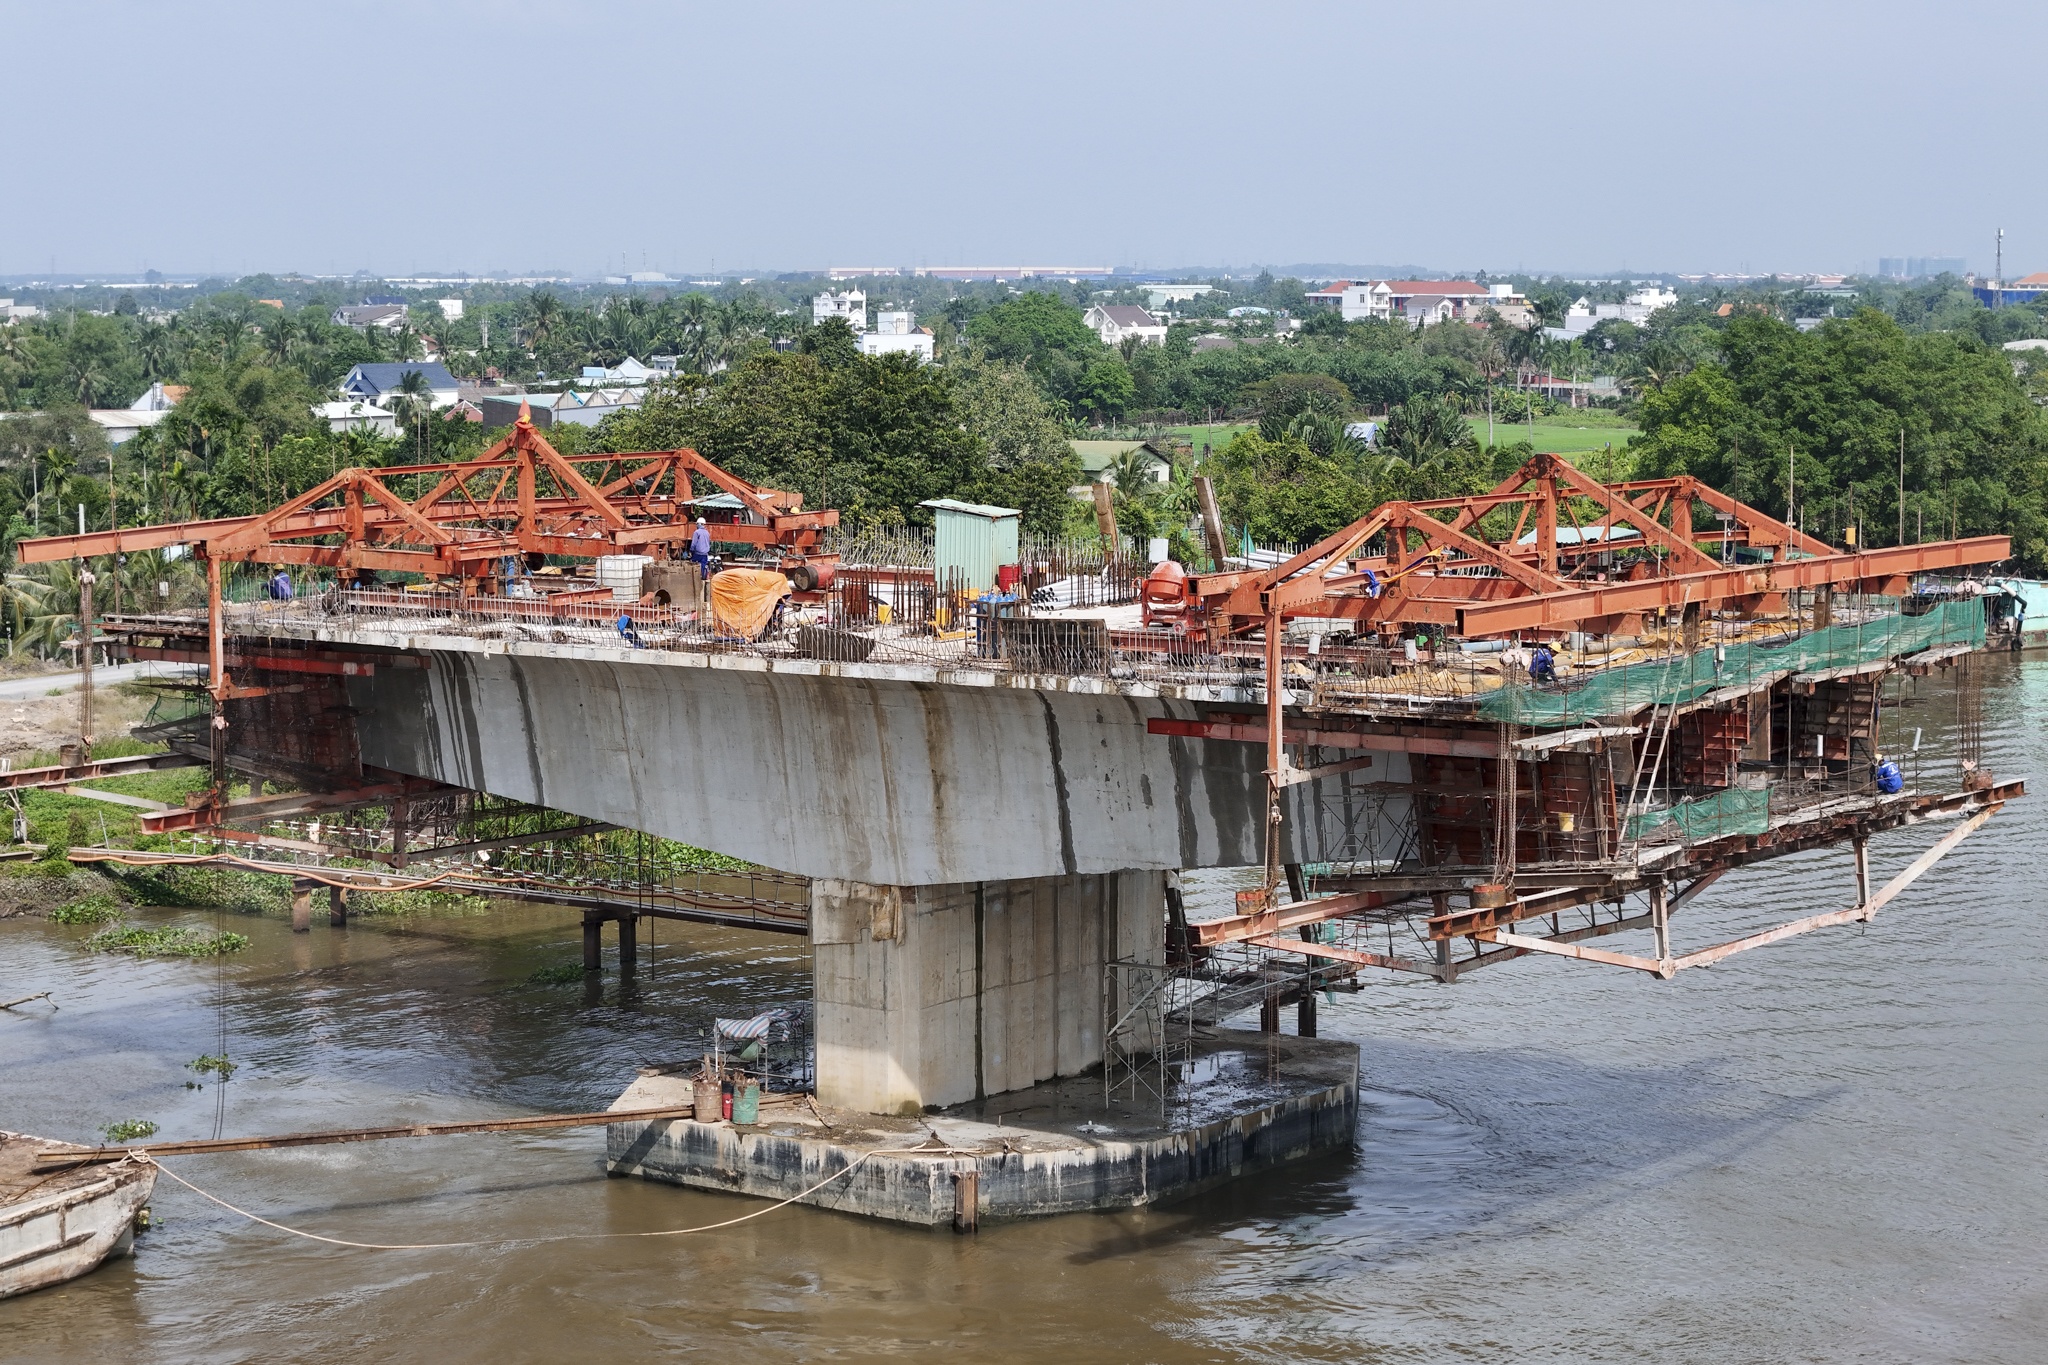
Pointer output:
x,y
1423,428
22,597
543,316
281,340
691,321
154,346
414,403
1325,434
88,380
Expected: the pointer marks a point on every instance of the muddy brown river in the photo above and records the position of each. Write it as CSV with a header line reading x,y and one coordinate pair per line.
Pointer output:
x,y
1827,1150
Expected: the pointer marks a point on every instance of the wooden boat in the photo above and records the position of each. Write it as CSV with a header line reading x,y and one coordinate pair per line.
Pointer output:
x,y
56,1226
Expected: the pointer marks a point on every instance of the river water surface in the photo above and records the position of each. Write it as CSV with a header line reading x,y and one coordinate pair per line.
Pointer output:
x,y
1827,1150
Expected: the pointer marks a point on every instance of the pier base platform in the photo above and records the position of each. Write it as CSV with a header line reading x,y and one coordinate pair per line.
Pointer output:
x,y
1253,1101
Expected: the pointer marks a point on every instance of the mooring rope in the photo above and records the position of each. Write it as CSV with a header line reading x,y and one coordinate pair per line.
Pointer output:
x,y
847,1169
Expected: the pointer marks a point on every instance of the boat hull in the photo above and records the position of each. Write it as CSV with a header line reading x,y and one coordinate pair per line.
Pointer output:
x,y
60,1227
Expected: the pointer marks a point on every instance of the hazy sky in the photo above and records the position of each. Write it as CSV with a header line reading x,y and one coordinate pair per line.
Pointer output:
x,y
596,136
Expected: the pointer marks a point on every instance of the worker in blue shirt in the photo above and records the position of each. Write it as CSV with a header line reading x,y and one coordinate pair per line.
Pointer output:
x,y
1542,666
700,548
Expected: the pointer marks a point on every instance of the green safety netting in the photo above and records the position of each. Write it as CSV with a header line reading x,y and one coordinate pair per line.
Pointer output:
x,y
1735,811
1610,692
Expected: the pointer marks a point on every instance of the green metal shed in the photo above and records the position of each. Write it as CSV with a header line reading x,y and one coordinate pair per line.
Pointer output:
x,y
971,541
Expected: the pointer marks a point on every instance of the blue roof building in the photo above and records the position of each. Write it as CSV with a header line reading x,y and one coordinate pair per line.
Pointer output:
x,y
379,380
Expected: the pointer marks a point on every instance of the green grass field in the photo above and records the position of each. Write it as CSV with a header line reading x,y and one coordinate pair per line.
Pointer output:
x,y
1559,435
1217,436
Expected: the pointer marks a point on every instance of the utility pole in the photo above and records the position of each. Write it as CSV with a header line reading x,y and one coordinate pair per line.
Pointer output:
x,y
1788,491
1998,273
1902,486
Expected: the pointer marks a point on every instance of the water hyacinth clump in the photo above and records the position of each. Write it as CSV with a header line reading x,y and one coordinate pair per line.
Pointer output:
x,y
94,909
142,941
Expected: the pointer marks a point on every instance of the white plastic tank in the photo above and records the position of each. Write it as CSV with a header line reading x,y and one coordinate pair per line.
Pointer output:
x,y
621,573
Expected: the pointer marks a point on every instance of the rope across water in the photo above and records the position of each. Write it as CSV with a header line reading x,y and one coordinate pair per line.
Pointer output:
x,y
842,1172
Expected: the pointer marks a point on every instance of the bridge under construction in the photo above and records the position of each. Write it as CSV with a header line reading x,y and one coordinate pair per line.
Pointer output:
x,y
1538,721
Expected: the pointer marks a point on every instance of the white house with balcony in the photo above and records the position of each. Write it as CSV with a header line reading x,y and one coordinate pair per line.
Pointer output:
x,y
850,307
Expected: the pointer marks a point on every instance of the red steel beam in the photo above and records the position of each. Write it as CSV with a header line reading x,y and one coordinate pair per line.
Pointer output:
x,y
1563,609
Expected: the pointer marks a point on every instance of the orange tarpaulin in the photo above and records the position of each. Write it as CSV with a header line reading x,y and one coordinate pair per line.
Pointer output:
x,y
743,600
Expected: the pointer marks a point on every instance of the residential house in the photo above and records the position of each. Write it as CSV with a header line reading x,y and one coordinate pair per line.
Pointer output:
x,y
1099,459
1582,317
1424,310
897,332
357,414
628,373
159,397
1357,300
550,409
851,307
1214,343
121,424
1417,301
1115,321
377,382
363,316
1577,392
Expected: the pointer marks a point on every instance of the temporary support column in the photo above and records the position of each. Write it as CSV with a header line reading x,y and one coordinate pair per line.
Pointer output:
x,y
302,907
337,906
1660,922
593,945
629,943
1446,964
1862,871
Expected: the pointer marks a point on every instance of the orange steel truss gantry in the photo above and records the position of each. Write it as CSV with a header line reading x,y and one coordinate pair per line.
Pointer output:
x,y
520,496
1535,567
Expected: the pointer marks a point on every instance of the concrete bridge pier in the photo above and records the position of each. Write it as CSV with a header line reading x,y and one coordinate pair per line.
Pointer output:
x,y
593,940
929,996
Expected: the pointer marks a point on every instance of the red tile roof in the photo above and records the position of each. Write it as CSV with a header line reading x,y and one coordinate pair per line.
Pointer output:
x,y
1451,288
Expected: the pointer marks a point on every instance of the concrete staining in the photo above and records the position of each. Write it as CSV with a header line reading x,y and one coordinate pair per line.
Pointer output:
x,y
1265,1099
931,995
882,774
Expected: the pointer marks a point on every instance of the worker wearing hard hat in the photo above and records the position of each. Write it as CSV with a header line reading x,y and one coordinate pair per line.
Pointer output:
x,y
700,548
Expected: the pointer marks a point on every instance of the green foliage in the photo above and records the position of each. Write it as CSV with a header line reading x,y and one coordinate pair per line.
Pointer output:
x,y
1834,401
97,908
205,888
128,1130
142,941
1284,397
871,435
216,1065
1423,429
1281,491
557,974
